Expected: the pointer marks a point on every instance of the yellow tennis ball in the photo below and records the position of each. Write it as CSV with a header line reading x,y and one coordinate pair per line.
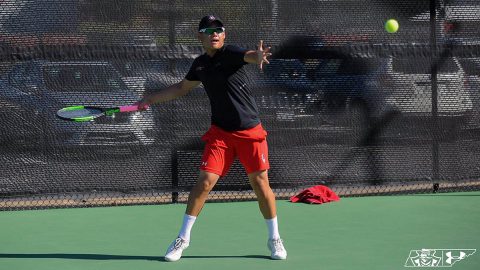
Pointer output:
x,y
391,26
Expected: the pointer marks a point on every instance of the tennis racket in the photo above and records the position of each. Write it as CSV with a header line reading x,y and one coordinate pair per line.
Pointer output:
x,y
89,113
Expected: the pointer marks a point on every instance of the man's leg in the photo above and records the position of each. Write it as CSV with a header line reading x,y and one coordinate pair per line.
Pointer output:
x,y
266,197
199,193
266,202
196,200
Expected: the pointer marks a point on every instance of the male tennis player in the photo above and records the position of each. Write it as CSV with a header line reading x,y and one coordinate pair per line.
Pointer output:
x,y
236,130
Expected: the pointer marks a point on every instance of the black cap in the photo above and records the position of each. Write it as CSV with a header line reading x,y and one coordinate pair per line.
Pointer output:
x,y
209,21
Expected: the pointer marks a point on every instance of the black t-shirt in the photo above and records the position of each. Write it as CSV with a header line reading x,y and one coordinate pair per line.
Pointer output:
x,y
228,88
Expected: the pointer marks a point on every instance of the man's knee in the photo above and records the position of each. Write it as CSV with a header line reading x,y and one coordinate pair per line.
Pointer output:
x,y
206,185
207,181
259,179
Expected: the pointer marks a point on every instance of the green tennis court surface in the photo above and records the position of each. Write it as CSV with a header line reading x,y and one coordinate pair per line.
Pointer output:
x,y
355,233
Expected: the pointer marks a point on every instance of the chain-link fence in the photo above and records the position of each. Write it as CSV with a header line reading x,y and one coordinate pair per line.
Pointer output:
x,y
346,104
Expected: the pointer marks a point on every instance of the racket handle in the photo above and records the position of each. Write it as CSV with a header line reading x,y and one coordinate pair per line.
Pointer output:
x,y
129,108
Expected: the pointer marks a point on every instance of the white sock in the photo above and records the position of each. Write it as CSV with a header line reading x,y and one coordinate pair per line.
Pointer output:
x,y
272,226
187,227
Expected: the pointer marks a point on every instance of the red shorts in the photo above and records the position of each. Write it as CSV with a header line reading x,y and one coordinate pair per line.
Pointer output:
x,y
222,147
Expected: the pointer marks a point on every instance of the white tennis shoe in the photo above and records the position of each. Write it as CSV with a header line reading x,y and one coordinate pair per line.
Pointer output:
x,y
174,251
278,250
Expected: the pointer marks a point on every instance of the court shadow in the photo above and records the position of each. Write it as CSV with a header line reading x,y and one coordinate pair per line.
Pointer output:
x,y
228,257
80,256
102,257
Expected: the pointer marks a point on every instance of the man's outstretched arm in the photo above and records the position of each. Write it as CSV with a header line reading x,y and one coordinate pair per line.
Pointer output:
x,y
172,92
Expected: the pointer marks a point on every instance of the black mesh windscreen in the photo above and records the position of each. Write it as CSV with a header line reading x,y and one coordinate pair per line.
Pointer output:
x,y
345,103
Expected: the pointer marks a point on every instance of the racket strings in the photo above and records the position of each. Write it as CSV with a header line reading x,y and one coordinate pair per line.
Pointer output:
x,y
85,112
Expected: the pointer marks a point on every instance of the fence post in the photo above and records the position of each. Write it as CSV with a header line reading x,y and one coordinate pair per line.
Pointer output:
x,y
434,89
174,159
